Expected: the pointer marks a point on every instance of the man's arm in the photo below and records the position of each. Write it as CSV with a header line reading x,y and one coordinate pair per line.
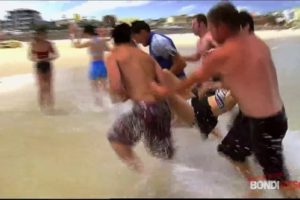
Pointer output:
x,y
178,64
78,43
30,55
211,65
106,46
192,58
165,48
201,49
54,53
158,71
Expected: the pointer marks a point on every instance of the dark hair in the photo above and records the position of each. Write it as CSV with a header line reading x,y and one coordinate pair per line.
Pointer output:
x,y
246,19
90,29
137,26
201,18
226,13
121,34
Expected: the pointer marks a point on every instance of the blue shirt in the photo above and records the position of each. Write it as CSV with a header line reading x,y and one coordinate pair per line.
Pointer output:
x,y
163,49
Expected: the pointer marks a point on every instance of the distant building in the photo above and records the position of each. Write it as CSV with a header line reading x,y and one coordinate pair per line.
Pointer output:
x,y
297,13
190,19
177,20
156,22
21,19
63,22
1,24
128,20
288,15
265,20
291,15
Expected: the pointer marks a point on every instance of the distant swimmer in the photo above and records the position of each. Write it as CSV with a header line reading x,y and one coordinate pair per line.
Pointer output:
x,y
130,72
97,46
43,52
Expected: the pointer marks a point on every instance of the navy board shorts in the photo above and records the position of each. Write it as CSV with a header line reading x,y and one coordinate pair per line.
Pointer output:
x,y
261,136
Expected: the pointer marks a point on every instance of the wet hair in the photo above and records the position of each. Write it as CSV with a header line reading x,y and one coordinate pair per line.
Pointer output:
x,y
246,19
226,13
89,29
201,18
138,25
121,34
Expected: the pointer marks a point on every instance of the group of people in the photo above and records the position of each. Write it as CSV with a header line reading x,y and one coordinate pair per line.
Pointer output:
x,y
236,68
42,52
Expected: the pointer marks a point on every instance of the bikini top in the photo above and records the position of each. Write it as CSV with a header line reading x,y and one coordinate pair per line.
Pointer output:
x,y
94,40
43,54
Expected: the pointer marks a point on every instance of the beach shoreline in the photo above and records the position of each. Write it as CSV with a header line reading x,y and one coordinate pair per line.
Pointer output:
x,y
15,61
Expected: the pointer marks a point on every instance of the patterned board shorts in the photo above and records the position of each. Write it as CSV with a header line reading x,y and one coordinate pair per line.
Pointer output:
x,y
148,121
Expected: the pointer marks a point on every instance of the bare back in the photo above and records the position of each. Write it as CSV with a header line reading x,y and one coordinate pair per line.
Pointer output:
x,y
97,48
251,76
137,70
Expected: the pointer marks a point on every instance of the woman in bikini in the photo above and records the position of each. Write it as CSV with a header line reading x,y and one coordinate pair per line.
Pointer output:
x,y
96,46
42,52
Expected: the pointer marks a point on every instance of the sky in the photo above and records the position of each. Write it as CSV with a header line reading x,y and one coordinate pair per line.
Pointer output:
x,y
142,9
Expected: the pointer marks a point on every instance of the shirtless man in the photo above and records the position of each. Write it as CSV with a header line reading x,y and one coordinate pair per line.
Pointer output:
x,y
205,110
245,66
161,48
206,120
130,73
205,43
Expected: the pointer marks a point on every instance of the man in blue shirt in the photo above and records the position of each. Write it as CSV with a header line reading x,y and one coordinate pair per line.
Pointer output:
x,y
161,48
